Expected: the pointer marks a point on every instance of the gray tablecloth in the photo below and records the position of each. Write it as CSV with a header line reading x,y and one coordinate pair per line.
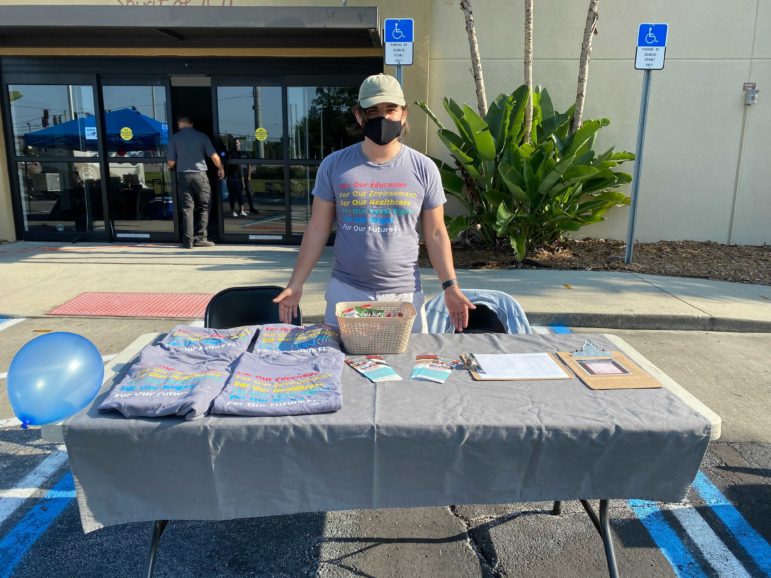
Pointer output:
x,y
394,444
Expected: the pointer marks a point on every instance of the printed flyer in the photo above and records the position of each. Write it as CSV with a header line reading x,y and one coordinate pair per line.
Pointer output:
x,y
374,368
432,368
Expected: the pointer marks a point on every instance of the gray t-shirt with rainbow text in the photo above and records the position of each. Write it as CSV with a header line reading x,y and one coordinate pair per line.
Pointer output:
x,y
377,207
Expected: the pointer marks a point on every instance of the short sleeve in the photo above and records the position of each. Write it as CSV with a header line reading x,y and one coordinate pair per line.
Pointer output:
x,y
208,147
434,196
323,187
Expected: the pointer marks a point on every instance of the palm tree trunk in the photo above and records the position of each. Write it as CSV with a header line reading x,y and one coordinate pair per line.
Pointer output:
x,y
528,68
476,61
583,67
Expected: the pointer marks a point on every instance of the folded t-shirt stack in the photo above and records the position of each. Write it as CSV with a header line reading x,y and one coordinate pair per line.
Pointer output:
x,y
293,370
285,337
181,375
272,383
201,343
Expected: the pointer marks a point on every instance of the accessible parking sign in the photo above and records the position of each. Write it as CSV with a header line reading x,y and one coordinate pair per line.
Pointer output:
x,y
651,46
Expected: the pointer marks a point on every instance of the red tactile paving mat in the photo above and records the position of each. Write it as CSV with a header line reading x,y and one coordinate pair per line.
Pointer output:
x,y
184,305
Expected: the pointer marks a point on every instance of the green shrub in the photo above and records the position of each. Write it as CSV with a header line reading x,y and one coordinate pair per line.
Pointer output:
x,y
527,193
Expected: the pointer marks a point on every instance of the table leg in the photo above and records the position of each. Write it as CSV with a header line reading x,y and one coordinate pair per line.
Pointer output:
x,y
607,539
158,528
603,527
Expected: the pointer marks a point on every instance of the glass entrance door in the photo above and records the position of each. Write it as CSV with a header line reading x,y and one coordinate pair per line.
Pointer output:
x,y
139,186
321,121
251,130
273,137
56,157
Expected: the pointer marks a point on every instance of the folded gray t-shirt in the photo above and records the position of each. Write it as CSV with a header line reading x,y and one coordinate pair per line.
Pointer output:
x,y
286,337
202,343
180,375
283,383
161,383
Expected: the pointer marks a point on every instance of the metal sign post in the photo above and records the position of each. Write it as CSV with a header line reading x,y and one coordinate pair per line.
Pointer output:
x,y
651,48
399,37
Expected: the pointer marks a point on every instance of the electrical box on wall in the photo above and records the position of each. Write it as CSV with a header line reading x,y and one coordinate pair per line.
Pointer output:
x,y
750,93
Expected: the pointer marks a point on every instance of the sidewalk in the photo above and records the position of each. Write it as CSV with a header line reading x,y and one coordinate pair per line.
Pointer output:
x,y
39,276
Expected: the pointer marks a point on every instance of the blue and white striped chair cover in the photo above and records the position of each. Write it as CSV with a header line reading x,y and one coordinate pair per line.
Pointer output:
x,y
509,312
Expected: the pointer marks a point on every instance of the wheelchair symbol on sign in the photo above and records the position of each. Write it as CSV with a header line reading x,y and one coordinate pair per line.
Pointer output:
x,y
650,38
397,33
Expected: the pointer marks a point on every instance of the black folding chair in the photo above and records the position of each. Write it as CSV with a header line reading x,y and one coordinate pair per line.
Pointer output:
x,y
231,307
238,306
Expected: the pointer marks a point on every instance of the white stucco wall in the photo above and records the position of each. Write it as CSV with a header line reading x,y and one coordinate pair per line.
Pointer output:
x,y
696,113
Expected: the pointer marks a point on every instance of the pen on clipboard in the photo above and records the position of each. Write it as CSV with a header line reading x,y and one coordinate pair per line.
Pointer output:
x,y
565,364
471,362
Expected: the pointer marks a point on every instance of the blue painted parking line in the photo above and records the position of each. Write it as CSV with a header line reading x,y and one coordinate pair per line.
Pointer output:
x,y
749,539
6,322
712,548
16,543
682,561
14,498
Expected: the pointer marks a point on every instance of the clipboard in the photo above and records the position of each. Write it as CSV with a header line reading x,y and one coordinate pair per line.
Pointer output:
x,y
600,369
516,374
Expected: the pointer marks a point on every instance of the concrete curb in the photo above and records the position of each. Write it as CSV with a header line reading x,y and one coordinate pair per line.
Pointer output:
x,y
651,321
574,319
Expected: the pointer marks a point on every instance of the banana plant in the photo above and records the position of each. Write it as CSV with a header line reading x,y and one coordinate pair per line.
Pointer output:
x,y
525,192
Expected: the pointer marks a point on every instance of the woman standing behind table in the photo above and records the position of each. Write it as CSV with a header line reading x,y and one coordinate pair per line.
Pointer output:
x,y
375,191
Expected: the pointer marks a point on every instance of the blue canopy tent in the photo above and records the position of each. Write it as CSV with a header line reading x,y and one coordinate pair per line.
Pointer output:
x,y
145,133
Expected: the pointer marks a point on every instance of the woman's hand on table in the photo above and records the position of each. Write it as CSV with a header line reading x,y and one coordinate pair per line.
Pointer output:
x,y
288,303
458,305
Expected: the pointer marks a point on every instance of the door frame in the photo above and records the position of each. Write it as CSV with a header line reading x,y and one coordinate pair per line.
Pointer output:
x,y
140,80
285,82
12,158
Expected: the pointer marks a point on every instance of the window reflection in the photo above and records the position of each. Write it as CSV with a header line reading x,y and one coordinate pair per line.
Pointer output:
x,y
301,180
61,197
321,120
251,114
135,121
263,193
53,119
140,192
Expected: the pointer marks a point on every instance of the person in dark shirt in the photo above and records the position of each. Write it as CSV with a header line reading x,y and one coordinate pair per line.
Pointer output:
x,y
187,152
246,172
235,182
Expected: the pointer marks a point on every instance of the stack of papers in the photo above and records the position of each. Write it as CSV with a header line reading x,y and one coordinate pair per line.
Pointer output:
x,y
505,366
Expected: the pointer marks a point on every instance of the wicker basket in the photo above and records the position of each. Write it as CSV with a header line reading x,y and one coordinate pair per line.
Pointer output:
x,y
376,334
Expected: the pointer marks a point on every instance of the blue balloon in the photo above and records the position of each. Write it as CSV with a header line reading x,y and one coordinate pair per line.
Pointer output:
x,y
53,377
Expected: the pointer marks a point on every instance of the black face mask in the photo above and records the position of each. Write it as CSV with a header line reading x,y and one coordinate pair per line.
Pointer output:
x,y
382,131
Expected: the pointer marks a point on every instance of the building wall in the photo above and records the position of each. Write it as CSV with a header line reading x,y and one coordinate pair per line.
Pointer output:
x,y
697,122
706,173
